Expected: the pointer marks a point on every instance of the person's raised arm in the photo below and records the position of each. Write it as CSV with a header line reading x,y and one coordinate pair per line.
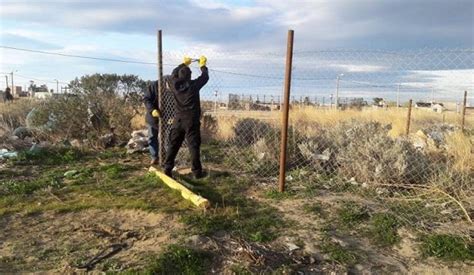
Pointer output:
x,y
204,77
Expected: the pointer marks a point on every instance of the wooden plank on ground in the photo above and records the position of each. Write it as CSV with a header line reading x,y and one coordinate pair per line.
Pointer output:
x,y
185,192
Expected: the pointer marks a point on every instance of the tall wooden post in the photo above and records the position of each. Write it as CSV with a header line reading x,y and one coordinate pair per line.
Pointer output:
x,y
463,118
407,130
161,133
285,110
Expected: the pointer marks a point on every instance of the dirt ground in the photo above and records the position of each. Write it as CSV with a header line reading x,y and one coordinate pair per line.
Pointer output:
x,y
111,217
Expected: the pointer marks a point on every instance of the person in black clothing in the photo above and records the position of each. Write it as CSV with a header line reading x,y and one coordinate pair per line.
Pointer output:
x,y
8,95
188,112
156,113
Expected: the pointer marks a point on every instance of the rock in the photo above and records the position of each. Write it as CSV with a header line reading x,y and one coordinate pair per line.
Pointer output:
x,y
311,249
292,246
13,138
339,241
359,267
76,143
107,140
35,148
70,173
22,132
353,181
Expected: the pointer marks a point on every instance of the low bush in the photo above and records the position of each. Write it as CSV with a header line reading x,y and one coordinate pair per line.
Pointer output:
x,y
364,150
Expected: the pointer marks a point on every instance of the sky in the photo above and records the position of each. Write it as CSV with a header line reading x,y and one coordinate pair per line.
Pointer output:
x,y
425,46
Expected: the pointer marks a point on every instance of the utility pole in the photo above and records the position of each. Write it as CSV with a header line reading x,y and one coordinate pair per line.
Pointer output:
x,y
398,96
215,101
57,86
6,81
337,90
13,87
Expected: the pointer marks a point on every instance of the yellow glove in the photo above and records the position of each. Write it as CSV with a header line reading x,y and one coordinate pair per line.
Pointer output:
x,y
202,61
155,113
187,60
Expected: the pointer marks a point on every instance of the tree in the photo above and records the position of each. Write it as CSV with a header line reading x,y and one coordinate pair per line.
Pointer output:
x,y
377,101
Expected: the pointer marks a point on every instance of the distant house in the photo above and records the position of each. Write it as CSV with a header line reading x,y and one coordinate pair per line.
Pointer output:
x,y
421,105
438,107
433,106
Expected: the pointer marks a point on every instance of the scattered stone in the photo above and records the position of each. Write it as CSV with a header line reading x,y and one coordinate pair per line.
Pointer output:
x,y
76,143
339,241
70,173
108,140
292,246
359,267
353,181
22,132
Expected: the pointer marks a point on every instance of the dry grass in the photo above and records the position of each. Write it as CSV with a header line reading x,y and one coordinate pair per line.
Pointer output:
x,y
396,117
309,119
460,147
13,114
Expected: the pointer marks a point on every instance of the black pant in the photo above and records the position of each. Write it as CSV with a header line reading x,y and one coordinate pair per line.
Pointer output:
x,y
188,128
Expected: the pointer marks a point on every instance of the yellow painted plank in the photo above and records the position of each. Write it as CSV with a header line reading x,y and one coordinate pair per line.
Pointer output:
x,y
185,192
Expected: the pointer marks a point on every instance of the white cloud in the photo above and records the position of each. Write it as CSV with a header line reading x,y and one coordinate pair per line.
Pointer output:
x,y
359,68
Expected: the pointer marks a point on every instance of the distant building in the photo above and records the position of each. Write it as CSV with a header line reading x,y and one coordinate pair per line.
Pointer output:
x,y
421,105
438,107
18,91
433,106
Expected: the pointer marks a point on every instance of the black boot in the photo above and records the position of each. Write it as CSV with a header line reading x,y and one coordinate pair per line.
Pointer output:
x,y
199,174
168,173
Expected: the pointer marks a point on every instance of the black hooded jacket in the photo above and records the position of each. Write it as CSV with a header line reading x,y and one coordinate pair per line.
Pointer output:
x,y
186,91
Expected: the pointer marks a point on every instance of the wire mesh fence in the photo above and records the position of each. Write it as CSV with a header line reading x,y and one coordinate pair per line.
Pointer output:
x,y
347,131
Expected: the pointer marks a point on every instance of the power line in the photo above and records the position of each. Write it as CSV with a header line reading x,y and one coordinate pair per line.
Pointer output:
x,y
41,80
78,56
124,61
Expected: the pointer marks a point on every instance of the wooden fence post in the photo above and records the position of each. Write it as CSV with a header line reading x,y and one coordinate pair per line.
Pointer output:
x,y
285,111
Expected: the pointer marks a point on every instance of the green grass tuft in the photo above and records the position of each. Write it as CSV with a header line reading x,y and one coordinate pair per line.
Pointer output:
x,y
352,214
447,247
338,254
383,229
50,156
274,194
315,208
180,260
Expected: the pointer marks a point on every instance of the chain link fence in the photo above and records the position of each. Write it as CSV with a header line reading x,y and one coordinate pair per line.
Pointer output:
x,y
348,125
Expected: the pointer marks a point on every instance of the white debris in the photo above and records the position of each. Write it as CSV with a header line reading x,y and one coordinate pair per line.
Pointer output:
x,y
138,142
5,154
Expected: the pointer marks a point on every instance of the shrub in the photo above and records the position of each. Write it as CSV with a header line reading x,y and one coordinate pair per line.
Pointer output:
x,y
250,130
364,150
208,128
